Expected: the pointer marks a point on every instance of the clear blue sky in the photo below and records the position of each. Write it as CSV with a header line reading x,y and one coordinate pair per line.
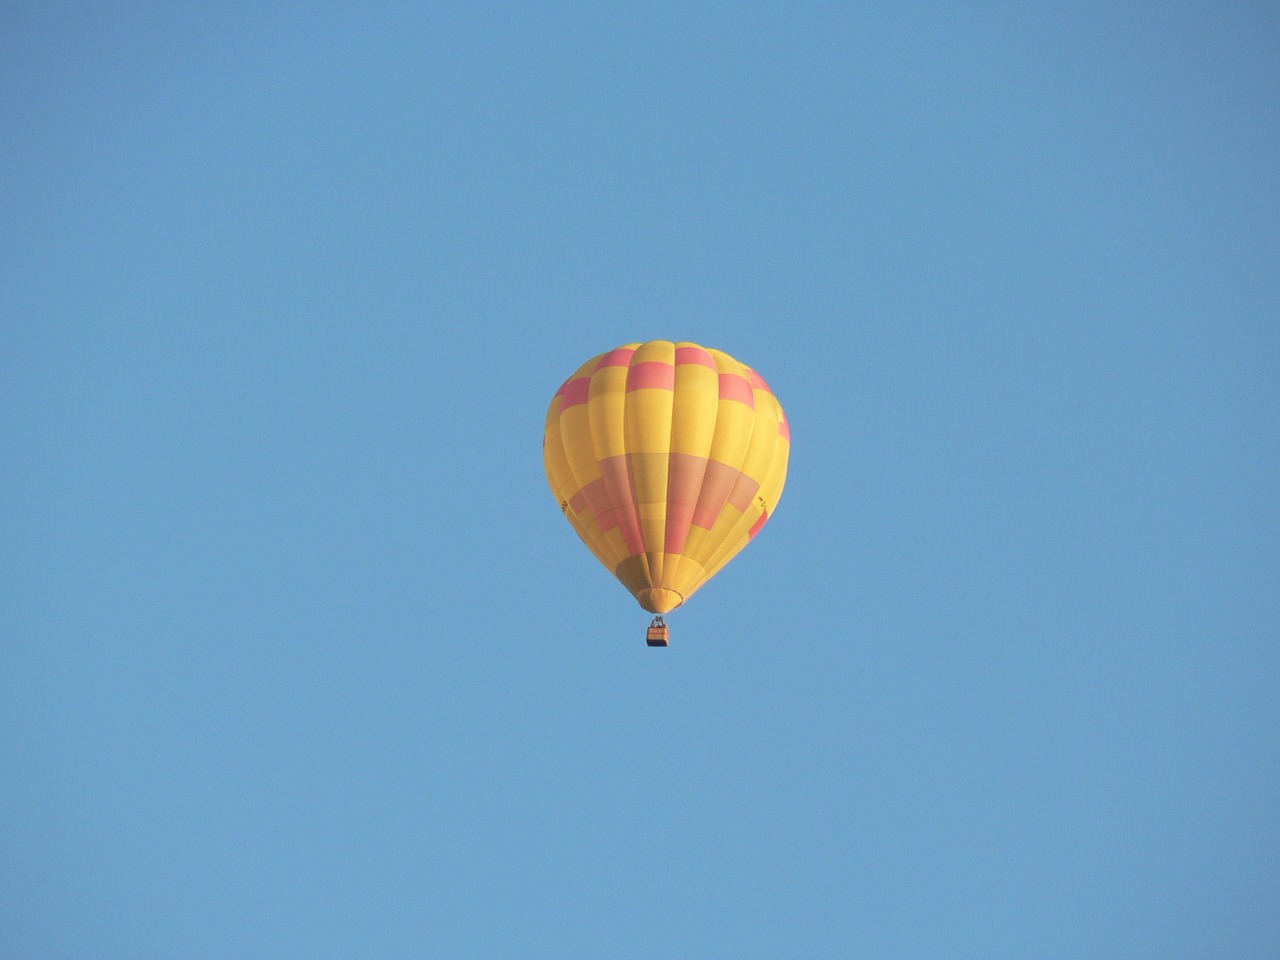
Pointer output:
x,y
298,657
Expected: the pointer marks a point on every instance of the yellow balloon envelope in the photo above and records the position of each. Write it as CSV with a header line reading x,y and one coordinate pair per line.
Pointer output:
x,y
667,458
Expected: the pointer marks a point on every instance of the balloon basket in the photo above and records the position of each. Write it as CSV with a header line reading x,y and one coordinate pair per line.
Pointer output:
x,y
659,634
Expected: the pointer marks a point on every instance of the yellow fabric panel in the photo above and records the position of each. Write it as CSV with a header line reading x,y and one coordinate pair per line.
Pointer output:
x,y
694,402
634,574
764,437
758,465
648,431
706,542
553,458
615,547
767,498
776,480
605,410
579,451
694,406
657,510
734,420
685,574
560,476
726,363
575,435
734,424
732,429
648,414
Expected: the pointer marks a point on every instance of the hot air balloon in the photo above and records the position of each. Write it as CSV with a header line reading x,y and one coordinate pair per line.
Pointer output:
x,y
667,459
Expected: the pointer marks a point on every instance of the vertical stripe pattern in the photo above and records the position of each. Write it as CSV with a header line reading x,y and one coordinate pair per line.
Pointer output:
x,y
667,459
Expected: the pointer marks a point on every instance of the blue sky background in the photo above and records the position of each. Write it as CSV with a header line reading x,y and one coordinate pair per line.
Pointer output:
x,y
299,658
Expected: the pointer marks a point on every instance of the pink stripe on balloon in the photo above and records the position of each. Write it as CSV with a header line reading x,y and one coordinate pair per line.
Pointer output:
x,y
617,358
784,429
617,483
755,527
695,355
717,484
757,381
574,392
734,387
651,374
684,482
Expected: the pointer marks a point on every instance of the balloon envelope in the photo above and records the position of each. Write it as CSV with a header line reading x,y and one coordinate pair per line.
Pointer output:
x,y
667,459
